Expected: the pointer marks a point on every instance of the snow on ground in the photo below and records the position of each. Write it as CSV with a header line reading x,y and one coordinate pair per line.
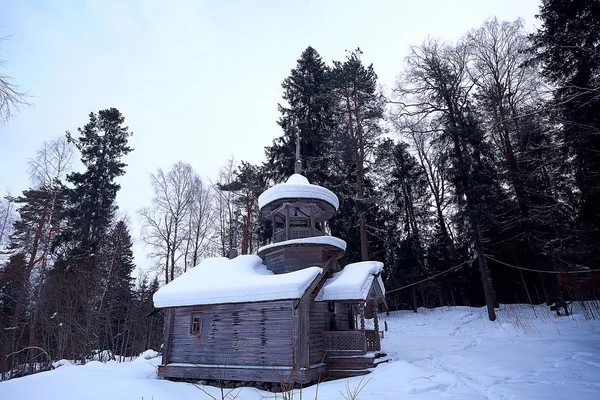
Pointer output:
x,y
446,353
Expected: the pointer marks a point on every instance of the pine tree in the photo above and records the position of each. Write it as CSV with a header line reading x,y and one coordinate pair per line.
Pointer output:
x,y
359,111
38,222
249,182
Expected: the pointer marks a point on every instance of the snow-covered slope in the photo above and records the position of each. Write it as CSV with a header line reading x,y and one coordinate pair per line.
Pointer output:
x,y
453,353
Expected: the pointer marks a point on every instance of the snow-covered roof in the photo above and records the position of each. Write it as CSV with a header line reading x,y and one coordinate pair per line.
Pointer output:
x,y
353,282
330,240
297,187
239,280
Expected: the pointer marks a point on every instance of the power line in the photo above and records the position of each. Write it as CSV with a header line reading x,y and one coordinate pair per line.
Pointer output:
x,y
586,271
431,277
456,267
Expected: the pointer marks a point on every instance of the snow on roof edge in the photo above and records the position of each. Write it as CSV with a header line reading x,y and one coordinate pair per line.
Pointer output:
x,y
297,186
330,240
353,282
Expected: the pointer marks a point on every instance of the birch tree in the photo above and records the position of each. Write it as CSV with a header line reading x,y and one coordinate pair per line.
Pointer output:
x,y
165,223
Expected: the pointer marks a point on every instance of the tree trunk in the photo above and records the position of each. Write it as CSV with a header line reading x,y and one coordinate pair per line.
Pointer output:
x,y
486,277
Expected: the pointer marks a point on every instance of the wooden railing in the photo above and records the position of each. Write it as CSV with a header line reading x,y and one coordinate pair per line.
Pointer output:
x,y
296,233
345,342
373,340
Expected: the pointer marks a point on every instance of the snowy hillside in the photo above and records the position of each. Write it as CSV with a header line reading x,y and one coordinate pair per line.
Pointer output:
x,y
453,353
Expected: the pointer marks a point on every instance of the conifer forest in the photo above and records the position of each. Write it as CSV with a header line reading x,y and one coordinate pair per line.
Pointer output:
x,y
475,178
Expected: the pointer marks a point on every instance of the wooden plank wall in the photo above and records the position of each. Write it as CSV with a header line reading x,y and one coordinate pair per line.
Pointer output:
x,y
302,257
235,334
275,261
342,317
318,317
290,259
318,323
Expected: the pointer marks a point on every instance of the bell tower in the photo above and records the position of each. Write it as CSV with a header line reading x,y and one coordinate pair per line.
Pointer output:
x,y
299,213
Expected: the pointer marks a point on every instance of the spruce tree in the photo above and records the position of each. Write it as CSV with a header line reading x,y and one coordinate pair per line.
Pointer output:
x,y
102,143
566,45
90,210
116,266
406,191
308,110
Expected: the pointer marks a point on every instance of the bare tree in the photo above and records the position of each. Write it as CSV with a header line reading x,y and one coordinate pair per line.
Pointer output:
x,y
51,163
434,161
7,216
225,207
437,85
164,224
199,223
11,99
38,223
508,90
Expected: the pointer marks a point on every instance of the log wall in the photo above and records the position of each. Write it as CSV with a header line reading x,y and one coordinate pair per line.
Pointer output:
x,y
253,334
293,258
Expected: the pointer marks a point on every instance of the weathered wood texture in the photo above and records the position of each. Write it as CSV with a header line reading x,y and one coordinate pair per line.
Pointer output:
x,y
276,375
373,340
296,232
235,334
293,258
344,342
350,362
343,316
317,317
318,323
167,329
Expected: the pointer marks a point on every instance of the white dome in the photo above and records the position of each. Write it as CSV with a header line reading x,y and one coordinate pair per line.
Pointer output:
x,y
297,187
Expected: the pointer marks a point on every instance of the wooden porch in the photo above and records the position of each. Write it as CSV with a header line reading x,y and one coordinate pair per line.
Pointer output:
x,y
354,352
356,341
352,342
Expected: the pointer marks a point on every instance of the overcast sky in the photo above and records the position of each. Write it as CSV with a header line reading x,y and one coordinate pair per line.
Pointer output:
x,y
197,81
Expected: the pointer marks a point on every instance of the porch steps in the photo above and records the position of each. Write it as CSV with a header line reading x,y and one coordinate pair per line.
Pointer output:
x,y
342,373
348,366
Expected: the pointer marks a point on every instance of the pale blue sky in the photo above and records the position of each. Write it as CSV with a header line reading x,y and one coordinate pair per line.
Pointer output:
x,y
197,81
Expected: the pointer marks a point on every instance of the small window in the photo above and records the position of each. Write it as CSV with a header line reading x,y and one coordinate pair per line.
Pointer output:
x,y
196,324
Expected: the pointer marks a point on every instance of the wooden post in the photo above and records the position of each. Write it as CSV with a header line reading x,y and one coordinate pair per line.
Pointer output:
x,y
375,317
376,323
274,218
361,308
312,219
287,222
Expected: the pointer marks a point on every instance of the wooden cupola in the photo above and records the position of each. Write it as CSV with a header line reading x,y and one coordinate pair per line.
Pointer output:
x,y
299,213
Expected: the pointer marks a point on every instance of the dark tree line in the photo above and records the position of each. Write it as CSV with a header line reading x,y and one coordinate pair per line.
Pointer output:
x,y
66,287
484,156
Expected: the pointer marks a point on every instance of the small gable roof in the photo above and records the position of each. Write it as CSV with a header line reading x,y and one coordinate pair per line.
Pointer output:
x,y
354,282
238,280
